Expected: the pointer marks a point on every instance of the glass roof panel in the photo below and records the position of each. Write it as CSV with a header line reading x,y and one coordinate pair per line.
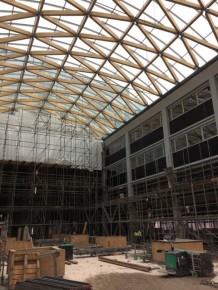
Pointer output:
x,y
100,62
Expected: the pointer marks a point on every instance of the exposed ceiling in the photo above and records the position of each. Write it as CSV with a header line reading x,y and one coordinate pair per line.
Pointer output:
x,y
99,63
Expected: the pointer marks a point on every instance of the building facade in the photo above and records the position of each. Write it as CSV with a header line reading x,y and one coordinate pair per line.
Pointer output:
x,y
161,168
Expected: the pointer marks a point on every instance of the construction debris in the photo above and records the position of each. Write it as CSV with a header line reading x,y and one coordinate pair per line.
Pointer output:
x,y
201,263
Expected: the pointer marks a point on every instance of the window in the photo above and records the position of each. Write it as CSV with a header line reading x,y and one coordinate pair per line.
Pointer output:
x,y
156,122
194,137
209,130
114,171
138,133
132,137
119,168
159,151
133,162
190,102
140,160
180,143
116,146
204,95
177,110
146,128
149,156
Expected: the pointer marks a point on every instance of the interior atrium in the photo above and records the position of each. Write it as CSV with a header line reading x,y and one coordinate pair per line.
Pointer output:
x,y
109,116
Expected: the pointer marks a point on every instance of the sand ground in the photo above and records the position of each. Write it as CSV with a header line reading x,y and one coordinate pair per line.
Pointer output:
x,y
105,276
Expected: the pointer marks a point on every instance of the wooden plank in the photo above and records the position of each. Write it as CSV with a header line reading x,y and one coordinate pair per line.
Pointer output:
x,y
84,228
125,264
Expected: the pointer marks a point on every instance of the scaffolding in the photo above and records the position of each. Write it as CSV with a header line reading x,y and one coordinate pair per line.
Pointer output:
x,y
51,180
50,172
181,203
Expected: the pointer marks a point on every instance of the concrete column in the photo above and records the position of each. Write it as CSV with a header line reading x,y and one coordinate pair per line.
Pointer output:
x,y
131,211
166,131
128,166
214,93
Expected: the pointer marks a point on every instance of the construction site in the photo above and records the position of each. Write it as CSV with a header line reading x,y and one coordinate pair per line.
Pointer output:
x,y
108,141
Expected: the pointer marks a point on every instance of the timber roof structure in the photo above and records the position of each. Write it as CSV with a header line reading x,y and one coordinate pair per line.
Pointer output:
x,y
96,62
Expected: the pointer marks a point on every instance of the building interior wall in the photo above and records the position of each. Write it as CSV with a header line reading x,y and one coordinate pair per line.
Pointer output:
x,y
161,174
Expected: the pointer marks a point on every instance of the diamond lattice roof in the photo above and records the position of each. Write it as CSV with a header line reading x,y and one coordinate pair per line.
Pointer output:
x,y
99,63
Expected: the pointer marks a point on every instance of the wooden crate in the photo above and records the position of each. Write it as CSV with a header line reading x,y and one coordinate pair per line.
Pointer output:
x,y
12,244
77,239
47,262
160,247
111,241
22,266
51,262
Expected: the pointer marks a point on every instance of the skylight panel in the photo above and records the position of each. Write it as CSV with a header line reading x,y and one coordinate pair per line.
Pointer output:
x,y
121,53
26,23
42,51
49,4
159,66
200,28
104,46
33,3
183,15
106,7
57,59
5,9
117,27
162,38
181,70
154,12
47,26
73,22
82,47
135,35
203,54
38,45
134,8
21,43
91,27
71,61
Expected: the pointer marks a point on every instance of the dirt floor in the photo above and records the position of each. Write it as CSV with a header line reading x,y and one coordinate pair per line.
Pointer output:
x,y
142,281
106,276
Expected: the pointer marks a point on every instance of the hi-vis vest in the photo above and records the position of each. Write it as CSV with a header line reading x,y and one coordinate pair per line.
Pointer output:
x,y
138,234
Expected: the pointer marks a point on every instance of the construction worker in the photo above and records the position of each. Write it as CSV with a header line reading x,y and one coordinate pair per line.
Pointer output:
x,y
138,236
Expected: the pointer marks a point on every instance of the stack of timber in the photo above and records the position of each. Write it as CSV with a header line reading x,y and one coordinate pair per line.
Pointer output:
x,y
48,283
125,264
201,263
